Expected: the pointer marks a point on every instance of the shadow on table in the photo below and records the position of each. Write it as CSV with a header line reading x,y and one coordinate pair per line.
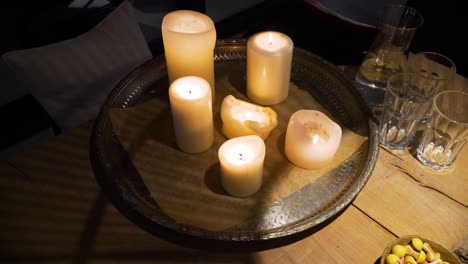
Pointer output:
x,y
54,214
53,211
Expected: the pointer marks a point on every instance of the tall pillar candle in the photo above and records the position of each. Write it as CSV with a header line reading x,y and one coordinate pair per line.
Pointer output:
x,y
189,39
241,165
269,58
192,114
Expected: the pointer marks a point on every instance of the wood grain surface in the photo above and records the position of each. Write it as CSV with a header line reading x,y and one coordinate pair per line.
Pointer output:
x,y
52,211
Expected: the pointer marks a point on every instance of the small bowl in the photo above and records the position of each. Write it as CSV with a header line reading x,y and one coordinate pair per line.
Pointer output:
x,y
445,254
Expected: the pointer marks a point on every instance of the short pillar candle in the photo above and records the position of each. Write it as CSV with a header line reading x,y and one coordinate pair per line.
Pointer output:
x,y
241,165
189,39
312,139
269,58
241,118
192,114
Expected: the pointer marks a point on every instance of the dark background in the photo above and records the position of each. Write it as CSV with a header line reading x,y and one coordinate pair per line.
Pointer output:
x,y
28,24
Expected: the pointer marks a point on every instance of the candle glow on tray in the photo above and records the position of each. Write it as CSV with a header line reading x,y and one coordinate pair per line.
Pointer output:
x,y
269,58
312,139
241,165
242,118
192,114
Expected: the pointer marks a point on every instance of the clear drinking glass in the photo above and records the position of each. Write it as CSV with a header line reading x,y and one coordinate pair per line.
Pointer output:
x,y
406,103
447,130
387,54
438,70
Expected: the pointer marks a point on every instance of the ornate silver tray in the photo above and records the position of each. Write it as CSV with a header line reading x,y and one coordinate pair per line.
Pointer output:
x,y
321,201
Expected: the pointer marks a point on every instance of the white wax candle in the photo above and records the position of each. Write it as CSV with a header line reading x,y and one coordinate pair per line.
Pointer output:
x,y
269,58
189,39
242,118
312,139
192,114
241,165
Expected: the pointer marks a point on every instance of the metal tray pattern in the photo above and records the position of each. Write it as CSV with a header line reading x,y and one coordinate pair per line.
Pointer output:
x,y
278,225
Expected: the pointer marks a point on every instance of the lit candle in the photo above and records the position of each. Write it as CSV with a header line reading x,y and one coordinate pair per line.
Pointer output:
x,y
269,57
189,39
192,116
241,165
312,139
241,118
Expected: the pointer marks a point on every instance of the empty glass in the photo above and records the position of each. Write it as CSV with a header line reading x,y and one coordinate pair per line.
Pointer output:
x,y
447,130
406,103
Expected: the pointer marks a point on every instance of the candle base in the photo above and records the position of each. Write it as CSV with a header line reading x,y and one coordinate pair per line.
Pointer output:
x,y
240,191
305,163
265,101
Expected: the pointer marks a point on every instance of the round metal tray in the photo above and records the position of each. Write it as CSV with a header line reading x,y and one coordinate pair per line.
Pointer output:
x,y
283,222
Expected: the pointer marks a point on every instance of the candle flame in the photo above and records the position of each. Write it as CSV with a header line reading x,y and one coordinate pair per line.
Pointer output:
x,y
315,139
270,39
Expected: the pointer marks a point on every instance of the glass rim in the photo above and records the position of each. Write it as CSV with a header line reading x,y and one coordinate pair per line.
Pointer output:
x,y
453,69
393,90
402,7
443,114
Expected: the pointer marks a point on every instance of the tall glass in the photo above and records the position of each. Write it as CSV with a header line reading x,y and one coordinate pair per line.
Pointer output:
x,y
447,130
387,54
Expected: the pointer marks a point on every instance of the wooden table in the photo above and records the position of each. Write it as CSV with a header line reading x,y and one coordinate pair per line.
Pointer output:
x,y
52,211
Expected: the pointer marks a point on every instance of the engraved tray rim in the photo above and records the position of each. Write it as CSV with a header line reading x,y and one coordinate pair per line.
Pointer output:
x,y
127,192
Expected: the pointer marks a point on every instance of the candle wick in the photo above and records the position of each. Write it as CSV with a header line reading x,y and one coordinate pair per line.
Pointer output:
x,y
270,42
190,92
240,156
